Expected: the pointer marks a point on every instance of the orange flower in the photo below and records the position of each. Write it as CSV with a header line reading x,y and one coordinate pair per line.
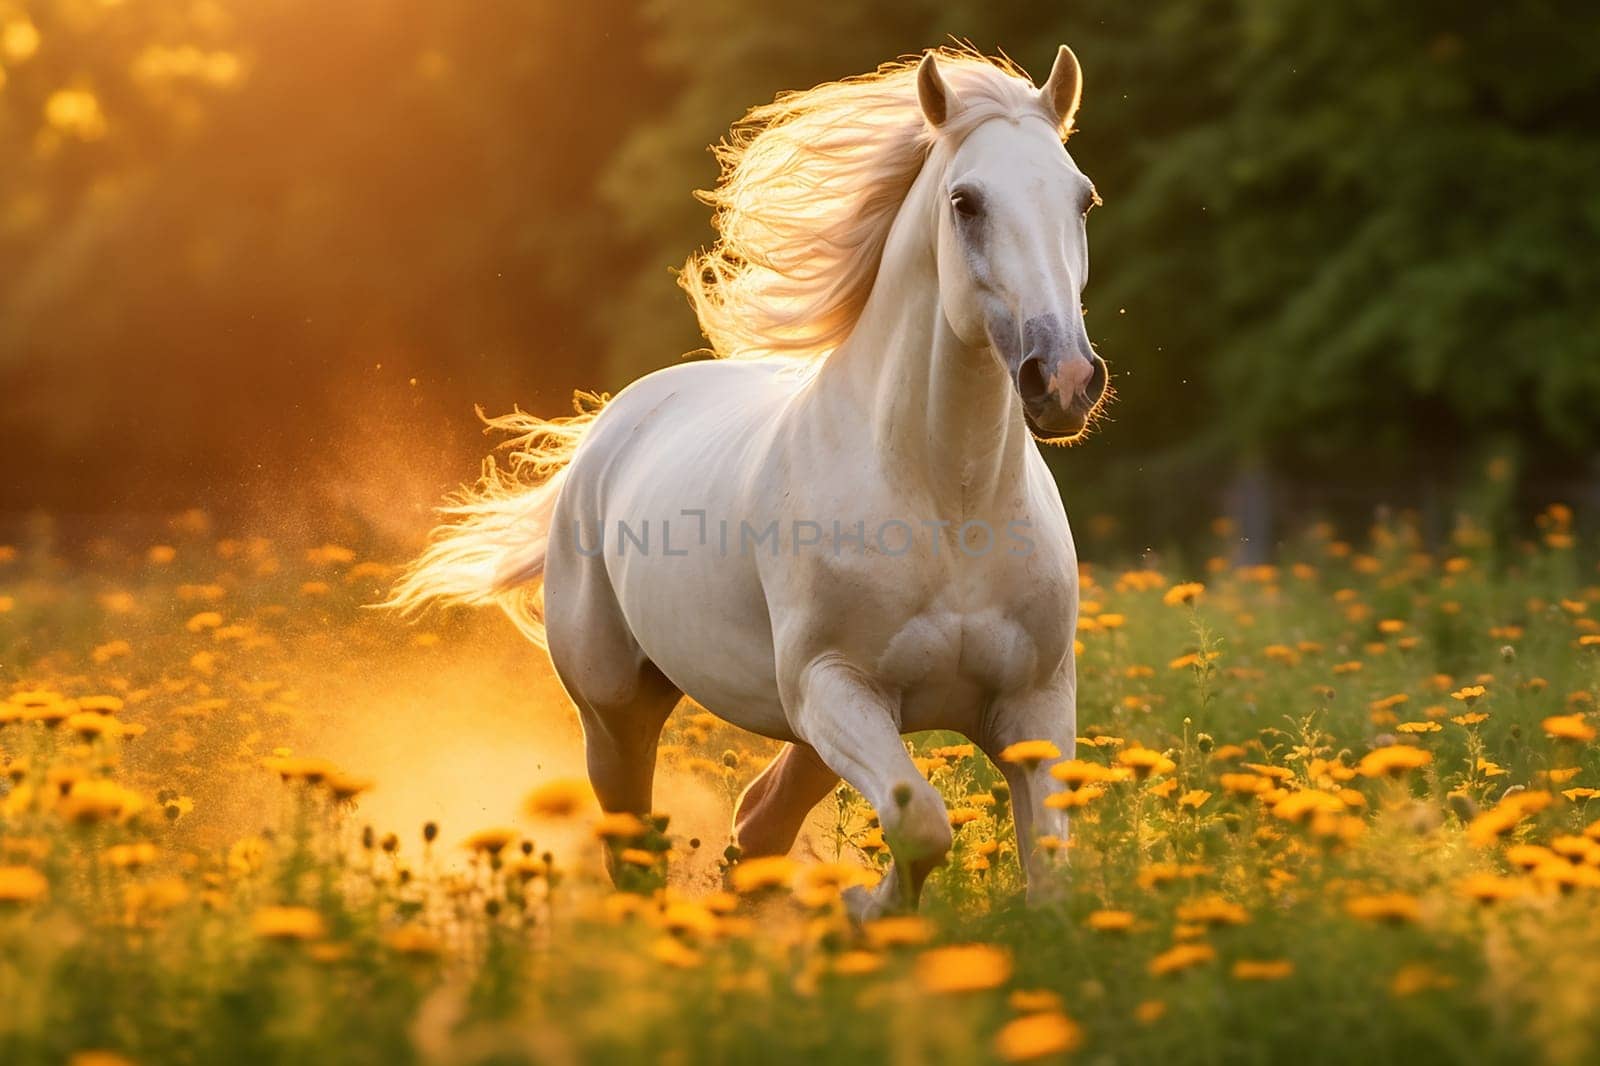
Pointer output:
x,y
761,874
1568,727
1030,753
1181,957
1212,910
897,931
1262,969
1394,907
1145,762
561,798
1188,592
1107,921
288,923
1037,1036
963,968
1392,761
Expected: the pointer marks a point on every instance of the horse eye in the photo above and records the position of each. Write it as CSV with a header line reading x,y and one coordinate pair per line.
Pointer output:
x,y
966,203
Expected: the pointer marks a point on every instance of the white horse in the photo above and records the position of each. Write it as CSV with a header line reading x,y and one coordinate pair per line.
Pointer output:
x,y
843,532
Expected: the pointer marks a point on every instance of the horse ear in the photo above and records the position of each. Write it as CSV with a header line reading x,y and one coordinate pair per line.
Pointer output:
x,y
935,97
1064,88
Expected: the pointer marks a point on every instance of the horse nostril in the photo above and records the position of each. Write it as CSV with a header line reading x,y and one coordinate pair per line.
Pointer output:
x,y
1097,380
1032,383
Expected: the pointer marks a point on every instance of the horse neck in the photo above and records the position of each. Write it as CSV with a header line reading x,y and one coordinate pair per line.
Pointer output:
x,y
943,413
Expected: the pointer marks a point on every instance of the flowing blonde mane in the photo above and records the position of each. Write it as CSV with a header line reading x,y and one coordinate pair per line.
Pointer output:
x,y
810,185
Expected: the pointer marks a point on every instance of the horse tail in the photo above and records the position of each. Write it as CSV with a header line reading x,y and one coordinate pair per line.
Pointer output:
x,y
490,549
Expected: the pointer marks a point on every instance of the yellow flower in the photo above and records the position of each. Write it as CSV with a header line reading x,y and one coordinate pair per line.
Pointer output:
x,y
620,825
1034,1001
1299,807
1529,856
345,787
490,841
856,963
1107,921
414,940
558,799
1037,1036
1394,907
670,951
131,856
1150,1011
89,726
760,874
688,918
1415,977
98,1057
1030,753
299,768
897,931
1145,762
1075,773
99,801
1490,888
1568,727
22,884
1392,761
1181,957
963,968
1418,727
1244,784
288,923
203,621
329,555
1212,910
1063,801
1157,874
1566,876
1262,969
1188,592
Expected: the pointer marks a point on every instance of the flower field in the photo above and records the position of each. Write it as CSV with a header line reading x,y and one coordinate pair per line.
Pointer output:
x,y
1336,808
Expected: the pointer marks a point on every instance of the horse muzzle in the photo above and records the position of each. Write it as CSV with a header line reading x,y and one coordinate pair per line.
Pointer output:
x,y
1059,394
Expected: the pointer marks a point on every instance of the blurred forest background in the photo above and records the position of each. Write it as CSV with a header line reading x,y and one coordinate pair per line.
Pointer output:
x,y
269,253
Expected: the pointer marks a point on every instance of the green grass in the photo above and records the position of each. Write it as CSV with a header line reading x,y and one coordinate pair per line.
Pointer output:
x,y
268,922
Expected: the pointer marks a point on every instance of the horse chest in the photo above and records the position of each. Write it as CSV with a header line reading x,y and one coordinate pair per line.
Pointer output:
x,y
985,649
943,624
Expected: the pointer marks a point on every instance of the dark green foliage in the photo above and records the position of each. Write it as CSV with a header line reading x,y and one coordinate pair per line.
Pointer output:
x,y
1348,241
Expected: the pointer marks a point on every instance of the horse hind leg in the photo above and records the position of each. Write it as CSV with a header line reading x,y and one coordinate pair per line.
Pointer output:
x,y
772,810
620,737
623,702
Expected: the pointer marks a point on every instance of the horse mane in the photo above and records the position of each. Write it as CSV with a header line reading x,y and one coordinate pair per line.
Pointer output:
x,y
810,185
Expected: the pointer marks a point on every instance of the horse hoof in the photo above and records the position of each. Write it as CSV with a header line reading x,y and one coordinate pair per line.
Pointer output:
x,y
862,904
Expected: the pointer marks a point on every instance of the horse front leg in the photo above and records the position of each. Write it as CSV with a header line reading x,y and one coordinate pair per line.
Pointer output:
x,y
854,728
1042,715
